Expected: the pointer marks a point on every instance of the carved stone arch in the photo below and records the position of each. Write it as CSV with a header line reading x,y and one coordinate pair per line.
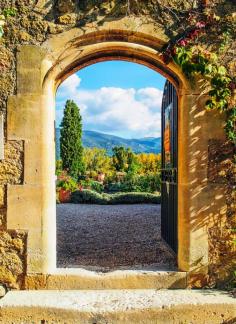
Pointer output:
x,y
125,45
31,116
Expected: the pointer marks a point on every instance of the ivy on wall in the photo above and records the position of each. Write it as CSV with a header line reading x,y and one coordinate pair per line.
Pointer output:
x,y
196,59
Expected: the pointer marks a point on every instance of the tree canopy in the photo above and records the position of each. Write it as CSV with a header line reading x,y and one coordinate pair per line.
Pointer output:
x,y
70,140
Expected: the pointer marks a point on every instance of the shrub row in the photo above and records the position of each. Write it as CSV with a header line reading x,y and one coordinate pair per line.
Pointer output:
x,y
92,197
136,183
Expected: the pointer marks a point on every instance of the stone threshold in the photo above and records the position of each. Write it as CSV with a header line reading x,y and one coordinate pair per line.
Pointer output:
x,y
118,306
72,279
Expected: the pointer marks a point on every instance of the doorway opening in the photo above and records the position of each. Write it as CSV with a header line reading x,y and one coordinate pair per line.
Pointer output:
x,y
119,211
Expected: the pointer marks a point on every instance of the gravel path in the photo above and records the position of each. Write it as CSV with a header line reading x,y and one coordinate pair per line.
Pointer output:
x,y
103,238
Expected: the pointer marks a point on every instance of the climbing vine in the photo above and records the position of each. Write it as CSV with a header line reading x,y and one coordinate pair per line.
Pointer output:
x,y
195,59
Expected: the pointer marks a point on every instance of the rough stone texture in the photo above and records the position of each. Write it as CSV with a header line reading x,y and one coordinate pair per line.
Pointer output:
x,y
3,218
66,7
220,168
67,19
11,172
105,238
222,250
118,306
2,207
7,80
12,260
2,196
222,256
11,168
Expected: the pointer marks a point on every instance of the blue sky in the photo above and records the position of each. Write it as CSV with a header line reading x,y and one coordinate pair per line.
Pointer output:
x,y
115,97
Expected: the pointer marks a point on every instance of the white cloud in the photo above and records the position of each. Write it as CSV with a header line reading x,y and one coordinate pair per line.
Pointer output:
x,y
70,85
152,97
123,112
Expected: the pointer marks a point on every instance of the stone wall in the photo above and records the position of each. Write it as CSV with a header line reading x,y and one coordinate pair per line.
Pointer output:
x,y
13,255
222,250
35,22
12,243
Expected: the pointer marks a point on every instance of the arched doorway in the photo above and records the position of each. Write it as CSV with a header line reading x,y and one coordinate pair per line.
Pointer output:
x,y
108,50
118,101
47,67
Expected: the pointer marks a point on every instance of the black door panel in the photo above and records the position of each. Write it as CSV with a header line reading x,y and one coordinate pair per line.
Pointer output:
x,y
169,172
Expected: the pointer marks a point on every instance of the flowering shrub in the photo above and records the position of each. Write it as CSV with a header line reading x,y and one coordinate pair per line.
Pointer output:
x,y
195,59
66,182
137,183
91,184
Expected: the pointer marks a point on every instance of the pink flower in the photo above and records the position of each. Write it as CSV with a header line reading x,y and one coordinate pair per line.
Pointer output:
x,y
200,24
182,42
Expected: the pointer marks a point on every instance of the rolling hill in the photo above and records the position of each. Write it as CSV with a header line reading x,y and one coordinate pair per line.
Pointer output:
x,y
106,141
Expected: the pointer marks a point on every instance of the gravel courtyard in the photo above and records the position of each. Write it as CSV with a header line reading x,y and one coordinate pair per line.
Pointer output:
x,y
111,237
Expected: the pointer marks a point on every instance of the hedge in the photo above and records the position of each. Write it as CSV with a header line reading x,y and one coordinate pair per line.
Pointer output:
x,y
91,197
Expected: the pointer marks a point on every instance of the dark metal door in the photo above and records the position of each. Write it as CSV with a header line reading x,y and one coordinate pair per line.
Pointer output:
x,y
169,174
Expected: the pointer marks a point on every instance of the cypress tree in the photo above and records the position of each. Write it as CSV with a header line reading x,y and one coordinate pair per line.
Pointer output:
x,y
71,140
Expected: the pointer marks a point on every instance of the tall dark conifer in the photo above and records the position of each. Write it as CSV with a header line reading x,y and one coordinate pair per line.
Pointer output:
x,y
71,140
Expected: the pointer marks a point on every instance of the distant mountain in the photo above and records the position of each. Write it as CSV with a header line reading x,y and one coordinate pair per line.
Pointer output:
x,y
106,141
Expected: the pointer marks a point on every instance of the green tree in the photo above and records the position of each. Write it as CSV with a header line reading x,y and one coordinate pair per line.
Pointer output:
x,y
70,140
132,162
124,160
119,158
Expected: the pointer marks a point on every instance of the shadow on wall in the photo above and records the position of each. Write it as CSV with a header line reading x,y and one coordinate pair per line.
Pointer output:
x,y
222,173
212,200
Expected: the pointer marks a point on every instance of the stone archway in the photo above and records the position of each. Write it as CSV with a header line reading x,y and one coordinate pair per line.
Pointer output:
x,y
31,206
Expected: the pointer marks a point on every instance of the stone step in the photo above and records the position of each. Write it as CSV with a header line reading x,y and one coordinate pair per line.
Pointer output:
x,y
120,279
118,307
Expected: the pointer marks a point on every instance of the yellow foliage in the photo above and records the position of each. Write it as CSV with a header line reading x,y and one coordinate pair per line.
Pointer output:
x,y
149,163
